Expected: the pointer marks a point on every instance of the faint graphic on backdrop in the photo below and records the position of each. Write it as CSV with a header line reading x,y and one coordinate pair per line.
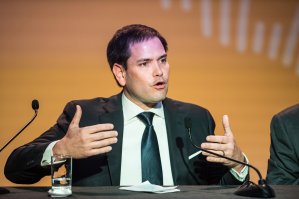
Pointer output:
x,y
262,34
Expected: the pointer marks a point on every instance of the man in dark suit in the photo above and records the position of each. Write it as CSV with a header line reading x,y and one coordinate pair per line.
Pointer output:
x,y
283,165
104,135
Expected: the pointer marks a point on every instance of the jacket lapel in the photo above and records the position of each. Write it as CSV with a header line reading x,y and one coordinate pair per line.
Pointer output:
x,y
176,133
114,114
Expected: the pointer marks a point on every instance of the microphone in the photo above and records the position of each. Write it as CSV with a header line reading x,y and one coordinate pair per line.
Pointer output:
x,y
248,188
35,106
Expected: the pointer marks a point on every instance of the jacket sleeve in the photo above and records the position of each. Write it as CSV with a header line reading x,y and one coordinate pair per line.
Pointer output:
x,y
23,166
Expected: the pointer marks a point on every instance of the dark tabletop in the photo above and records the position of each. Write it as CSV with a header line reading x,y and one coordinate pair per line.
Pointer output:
x,y
189,192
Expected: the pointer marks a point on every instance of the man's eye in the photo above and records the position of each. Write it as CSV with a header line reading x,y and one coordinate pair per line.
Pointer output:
x,y
143,64
164,60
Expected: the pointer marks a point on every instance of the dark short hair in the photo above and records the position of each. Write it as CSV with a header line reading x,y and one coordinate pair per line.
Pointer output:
x,y
118,49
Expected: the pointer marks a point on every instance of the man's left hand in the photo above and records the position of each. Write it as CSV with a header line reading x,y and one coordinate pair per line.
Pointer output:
x,y
224,145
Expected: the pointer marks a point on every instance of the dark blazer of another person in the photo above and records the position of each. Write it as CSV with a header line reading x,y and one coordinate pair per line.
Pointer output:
x,y
283,165
24,164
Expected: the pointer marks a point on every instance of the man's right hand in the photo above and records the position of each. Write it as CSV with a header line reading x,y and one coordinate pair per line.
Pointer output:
x,y
86,141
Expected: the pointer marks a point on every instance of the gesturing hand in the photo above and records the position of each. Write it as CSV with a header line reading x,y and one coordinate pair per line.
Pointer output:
x,y
224,145
86,141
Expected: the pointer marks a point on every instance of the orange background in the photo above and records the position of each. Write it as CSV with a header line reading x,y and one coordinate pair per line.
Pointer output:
x,y
54,51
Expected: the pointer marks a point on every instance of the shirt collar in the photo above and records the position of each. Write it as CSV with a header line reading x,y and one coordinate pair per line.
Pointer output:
x,y
130,109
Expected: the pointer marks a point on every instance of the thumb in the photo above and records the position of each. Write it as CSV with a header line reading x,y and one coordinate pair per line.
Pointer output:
x,y
226,126
77,117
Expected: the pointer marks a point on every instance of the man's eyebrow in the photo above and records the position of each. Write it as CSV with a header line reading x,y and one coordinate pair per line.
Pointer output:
x,y
143,60
148,59
163,56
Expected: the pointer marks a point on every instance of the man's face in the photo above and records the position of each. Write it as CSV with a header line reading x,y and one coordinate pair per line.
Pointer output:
x,y
146,77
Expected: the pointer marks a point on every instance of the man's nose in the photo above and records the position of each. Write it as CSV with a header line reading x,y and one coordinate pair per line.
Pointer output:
x,y
157,69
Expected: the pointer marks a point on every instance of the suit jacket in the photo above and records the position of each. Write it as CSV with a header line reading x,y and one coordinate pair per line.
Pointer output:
x,y
283,165
24,164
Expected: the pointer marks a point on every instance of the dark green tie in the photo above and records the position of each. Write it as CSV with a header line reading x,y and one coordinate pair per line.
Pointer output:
x,y
150,155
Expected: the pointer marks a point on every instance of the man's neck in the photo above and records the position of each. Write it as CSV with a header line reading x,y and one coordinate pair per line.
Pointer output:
x,y
142,105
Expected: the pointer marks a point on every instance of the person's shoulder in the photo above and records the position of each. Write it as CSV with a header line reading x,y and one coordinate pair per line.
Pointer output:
x,y
90,100
287,117
184,105
97,101
292,111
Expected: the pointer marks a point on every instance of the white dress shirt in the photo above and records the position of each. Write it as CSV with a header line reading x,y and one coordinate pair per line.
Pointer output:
x,y
131,173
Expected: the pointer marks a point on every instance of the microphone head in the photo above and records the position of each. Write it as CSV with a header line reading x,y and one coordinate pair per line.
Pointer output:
x,y
188,122
35,104
250,189
179,142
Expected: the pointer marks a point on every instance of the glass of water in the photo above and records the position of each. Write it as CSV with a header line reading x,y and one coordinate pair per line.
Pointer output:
x,y
61,176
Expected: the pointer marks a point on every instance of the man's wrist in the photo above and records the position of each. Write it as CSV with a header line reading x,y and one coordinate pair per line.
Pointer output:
x,y
239,167
46,160
241,174
58,148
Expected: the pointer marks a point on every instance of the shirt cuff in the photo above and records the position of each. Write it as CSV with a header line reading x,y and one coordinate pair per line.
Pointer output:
x,y
244,172
46,160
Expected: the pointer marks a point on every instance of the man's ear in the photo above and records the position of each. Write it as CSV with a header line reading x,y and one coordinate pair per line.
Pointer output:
x,y
119,74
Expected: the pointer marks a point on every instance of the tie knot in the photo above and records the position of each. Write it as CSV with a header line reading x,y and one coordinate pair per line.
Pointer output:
x,y
146,118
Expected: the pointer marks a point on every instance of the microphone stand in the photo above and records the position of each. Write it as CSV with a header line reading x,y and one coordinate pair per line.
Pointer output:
x,y
35,107
248,188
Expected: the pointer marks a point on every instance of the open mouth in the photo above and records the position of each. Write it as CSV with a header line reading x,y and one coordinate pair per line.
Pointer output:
x,y
160,85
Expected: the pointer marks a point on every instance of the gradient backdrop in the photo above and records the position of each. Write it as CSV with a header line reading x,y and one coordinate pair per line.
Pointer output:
x,y
235,57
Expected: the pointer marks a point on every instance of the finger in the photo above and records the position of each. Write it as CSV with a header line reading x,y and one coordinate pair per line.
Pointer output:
x,y
215,159
103,143
98,128
213,155
77,117
98,151
103,135
217,138
213,146
226,126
